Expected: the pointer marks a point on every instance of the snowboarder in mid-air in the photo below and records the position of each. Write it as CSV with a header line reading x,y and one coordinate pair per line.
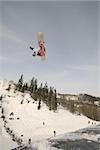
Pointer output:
x,y
41,49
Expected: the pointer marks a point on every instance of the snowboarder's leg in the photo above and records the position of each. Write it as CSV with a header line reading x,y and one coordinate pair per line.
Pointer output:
x,y
38,54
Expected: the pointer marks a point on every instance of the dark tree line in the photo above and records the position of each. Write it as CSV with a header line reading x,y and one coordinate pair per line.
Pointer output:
x,y
39,93
88,109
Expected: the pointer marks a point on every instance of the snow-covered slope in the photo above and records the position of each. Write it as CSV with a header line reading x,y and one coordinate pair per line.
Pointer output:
x,y
83,139
27,122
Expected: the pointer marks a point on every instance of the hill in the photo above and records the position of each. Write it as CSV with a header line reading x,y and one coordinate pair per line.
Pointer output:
x,y
22,124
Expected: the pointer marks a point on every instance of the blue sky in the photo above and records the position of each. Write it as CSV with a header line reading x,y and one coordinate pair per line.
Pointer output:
x,y
71,38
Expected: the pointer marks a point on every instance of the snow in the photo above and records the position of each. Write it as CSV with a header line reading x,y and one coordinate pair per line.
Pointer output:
x,y
30,122
5,141
89,137
79,134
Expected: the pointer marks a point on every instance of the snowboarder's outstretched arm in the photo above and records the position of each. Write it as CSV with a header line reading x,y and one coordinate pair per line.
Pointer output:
x,y
31,48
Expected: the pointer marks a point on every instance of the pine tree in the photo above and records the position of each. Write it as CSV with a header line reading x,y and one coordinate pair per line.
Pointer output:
x,y
31,88
45,92
50,98
20,84
35,90
40,92
24,87
39,105
55,100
